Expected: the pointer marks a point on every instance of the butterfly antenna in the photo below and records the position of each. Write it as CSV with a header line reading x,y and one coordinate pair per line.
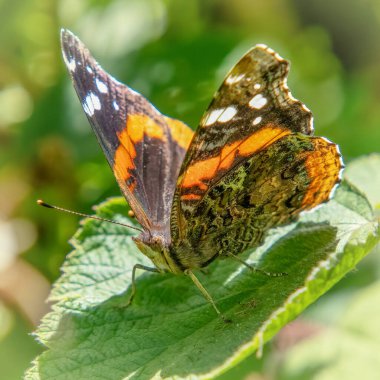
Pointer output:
x,y
47,205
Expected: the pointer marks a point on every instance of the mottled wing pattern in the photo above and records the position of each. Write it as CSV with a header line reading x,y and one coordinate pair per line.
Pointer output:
x,y
252,164
144,148
267,189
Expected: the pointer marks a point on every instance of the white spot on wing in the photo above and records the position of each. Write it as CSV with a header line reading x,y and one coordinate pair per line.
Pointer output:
x,y
257,86
71,64
89,111
89,69
101,86
257,120
234,78
95,102
115,105
258,101
91,103
220,115
227,114
212,117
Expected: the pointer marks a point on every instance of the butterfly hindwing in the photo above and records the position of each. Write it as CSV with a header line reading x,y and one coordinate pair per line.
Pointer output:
x,y
144,148
295,173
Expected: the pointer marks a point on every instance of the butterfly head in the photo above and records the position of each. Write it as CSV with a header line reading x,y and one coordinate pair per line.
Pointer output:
x,y
156,248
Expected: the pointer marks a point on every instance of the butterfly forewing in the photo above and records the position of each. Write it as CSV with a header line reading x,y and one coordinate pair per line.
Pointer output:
x,y
254,93
144,148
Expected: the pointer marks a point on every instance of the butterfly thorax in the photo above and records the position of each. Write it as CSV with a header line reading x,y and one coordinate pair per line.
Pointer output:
x,y
156,246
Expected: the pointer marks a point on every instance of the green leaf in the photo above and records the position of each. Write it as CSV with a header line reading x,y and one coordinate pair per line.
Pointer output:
x,y
349,350
170,331
364,174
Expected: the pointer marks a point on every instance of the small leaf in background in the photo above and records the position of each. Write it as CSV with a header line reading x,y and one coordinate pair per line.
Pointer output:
x,y
349,350
182,51
364,174
170,330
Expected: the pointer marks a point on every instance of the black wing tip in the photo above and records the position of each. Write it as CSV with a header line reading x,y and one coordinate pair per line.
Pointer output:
x,y
68,38
70,46
64,32
67,34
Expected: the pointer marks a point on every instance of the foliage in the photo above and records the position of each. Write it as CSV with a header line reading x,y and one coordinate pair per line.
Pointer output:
x,y
348,350
170,331
175,52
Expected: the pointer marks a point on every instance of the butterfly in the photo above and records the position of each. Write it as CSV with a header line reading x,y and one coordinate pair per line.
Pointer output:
x,y
251,165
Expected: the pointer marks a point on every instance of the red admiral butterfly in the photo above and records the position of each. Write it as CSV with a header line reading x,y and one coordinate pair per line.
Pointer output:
x,y
251,165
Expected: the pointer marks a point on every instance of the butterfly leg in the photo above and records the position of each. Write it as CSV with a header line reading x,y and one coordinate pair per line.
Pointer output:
x,y
205,293
254,269
137,266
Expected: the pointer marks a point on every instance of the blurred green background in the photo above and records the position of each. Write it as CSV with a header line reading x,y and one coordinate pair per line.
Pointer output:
x,y
175,52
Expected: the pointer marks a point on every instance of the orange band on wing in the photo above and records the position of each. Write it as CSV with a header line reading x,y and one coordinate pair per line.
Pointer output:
x,y
138,127
323,167
201,171
191,197
180,132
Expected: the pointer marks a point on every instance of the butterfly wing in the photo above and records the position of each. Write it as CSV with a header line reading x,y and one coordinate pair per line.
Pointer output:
x,y
254,93
144,148
269,188
252,164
